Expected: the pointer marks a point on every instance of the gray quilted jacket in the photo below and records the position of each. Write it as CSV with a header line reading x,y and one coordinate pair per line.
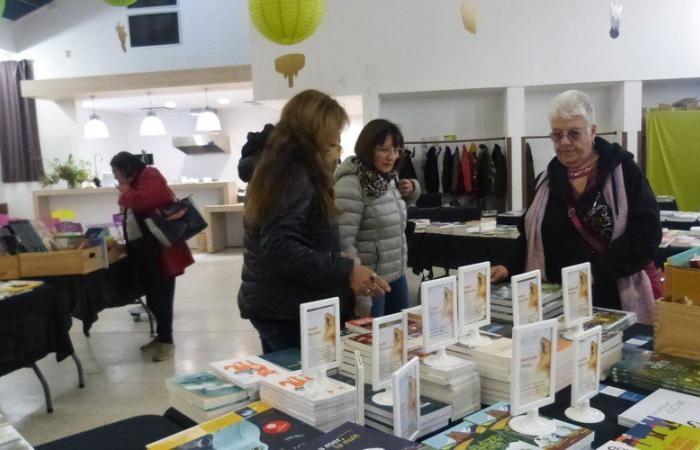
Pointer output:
x,y
372,228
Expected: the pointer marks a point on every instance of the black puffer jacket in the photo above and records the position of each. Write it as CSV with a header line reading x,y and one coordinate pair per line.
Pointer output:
x,y
293,258
251,151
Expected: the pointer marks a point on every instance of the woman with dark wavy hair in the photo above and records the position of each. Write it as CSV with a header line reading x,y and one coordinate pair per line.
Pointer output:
x,y
292,245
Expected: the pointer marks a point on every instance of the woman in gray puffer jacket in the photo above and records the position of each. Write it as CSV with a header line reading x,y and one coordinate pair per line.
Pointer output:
x,y
372,220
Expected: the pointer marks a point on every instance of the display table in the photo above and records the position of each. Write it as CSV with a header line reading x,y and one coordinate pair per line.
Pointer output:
x,y
32,325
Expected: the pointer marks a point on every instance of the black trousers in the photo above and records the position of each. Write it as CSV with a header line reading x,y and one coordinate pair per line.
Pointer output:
x,y
277,334
144,254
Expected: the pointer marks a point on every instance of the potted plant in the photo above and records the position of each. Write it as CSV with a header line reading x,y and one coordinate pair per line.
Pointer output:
x,y
70,171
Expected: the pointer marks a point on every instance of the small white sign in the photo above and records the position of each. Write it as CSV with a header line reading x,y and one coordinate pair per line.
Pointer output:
x,y
527,298
389,348
533,366
406,387
439,313
321,348
474,296
577,289
360,387
587,369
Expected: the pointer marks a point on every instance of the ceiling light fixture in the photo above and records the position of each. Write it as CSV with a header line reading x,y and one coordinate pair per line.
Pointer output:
x,y
170,104
208,121
151,125
224,101
95,128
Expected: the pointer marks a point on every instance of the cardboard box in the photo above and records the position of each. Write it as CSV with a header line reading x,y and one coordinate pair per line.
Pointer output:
x,y
681,279
9,267
675,326
65,262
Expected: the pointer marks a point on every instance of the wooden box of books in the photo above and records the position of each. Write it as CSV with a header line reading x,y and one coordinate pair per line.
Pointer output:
x,y
64,262
672,321
9,267
681,279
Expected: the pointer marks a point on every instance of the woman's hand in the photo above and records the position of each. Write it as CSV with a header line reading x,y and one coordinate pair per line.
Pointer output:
x,y
364,282
406,188
498,274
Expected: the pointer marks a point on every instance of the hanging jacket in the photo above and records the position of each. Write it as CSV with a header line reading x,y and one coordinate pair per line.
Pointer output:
x,y
501,175
484,179
373,229
457,178
529,174
431,173
406,169
447,170
467,171
474,162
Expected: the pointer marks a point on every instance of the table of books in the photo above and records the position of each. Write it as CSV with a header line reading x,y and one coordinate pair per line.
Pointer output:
x,y
32,325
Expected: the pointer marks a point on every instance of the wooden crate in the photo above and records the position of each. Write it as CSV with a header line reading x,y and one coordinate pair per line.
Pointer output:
x,y
9,267
66,262
682,281
672,323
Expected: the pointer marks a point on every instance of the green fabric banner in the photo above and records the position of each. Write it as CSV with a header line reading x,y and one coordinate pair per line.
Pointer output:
x,y
673,156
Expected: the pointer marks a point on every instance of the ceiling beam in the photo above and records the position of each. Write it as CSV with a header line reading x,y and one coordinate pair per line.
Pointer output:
x,y
61,89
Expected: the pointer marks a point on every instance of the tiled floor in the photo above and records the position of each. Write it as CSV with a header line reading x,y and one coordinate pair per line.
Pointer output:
x,y
121,382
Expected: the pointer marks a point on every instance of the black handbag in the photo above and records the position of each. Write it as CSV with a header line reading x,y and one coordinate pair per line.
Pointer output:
x,y
176,222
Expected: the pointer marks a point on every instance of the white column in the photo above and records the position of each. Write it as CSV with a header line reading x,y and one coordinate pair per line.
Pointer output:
x,y
515,129
632,119
370,106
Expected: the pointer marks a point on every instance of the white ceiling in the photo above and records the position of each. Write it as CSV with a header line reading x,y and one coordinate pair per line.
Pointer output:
x,y
128,103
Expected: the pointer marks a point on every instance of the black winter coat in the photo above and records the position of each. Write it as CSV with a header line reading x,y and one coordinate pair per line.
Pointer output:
x,y
564,246
432,174
292,259
251,151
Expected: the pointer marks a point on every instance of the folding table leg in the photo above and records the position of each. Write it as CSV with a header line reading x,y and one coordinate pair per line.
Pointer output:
x,y
81,376
45,386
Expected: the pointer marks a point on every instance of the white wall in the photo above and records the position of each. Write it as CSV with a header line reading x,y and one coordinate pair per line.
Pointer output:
x,y
365,46
212,33
7,39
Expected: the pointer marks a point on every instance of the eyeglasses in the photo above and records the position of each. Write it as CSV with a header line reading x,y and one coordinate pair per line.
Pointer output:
x,y
390,150
573,135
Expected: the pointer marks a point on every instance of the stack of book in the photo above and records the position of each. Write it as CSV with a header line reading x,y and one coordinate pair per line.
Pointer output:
x,y
656,433
493,363
458,386
352,436
608,319
489,429
322,404
202,396
664,404
256,426
649,370
502,302
247,371
10,438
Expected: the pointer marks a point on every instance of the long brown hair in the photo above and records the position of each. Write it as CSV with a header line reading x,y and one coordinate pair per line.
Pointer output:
x,y
309,123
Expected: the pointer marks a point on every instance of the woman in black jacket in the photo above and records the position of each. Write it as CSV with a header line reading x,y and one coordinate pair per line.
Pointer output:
x,y
592,204
292,244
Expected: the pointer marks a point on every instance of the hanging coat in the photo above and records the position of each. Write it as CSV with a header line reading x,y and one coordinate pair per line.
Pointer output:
x,y
474,162
501,175
406,169
467,176
485,177
457,179
431,173
447,171
529,174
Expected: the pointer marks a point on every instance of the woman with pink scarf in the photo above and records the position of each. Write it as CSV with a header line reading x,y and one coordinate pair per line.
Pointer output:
x,y
592,204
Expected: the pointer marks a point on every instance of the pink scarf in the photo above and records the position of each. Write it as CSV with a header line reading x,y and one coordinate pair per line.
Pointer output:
x,y
635,290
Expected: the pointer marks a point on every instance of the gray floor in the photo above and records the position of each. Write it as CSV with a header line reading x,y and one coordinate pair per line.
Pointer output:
x,y
121,382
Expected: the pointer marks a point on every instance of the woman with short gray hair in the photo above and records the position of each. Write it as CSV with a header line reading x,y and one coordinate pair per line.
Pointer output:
x,y
592,204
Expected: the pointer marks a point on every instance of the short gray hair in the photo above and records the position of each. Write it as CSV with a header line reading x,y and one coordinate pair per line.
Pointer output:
x,y
570,104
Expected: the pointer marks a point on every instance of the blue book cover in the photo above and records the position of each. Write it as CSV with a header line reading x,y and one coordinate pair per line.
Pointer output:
x,y
205,390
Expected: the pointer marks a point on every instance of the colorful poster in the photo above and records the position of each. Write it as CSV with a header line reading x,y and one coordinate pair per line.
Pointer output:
x,y
578,296
474,295
388,348
532,365
320,334
406,387
439,313
587,370
527,298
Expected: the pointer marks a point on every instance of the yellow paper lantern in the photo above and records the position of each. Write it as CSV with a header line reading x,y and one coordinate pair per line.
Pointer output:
x,y
2,7
120,2
286,22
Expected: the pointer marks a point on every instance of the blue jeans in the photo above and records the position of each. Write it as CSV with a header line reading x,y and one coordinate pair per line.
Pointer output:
x,y
391,302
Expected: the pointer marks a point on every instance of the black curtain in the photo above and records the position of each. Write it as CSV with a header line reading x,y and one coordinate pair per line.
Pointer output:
x,y
20,153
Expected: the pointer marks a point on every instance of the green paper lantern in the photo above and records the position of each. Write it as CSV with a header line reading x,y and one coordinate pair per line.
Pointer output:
x,y
286,22
2,7
121,2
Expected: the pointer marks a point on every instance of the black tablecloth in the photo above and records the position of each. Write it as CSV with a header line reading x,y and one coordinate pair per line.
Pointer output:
x,y
89,294
32,325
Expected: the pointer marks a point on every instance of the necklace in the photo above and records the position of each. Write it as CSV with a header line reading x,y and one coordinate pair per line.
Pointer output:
x,y
583,170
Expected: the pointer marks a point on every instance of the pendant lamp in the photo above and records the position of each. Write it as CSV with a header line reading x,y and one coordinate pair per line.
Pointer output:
x,y
208,121
95,128
151,125
286,22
